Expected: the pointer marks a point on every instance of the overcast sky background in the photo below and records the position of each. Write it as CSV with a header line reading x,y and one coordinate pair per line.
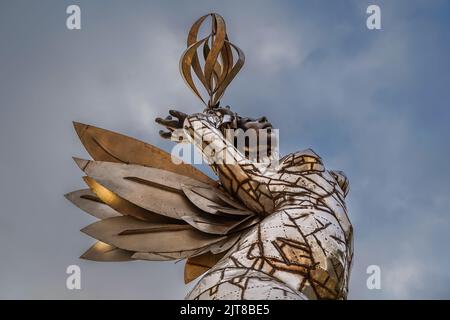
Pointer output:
x,y
375,104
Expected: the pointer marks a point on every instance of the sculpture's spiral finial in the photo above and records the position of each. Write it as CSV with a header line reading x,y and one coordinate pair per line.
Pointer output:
x,y
219,69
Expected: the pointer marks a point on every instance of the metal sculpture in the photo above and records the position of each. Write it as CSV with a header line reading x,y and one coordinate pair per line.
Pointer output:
x,y
263,231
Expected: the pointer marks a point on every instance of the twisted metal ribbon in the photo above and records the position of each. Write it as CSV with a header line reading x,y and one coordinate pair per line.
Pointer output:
x,y
219,69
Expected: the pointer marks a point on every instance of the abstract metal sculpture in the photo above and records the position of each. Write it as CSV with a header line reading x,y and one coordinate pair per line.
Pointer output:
x,y
263,231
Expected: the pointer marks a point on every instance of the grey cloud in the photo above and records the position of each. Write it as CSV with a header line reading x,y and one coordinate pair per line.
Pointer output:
x,y
373,104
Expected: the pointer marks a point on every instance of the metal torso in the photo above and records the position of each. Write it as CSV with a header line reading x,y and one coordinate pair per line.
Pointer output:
x,y
301,250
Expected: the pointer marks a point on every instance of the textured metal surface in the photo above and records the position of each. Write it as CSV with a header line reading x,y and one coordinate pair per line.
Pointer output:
x,y
88,201
133,183
123,206
105,145
263,231
101,251
219,69
140,236
156,220
196,266
305,241
208,200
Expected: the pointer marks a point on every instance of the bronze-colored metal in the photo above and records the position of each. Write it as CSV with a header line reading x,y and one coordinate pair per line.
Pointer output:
x,y
105,145
305,240
101,251
125,187
186,239
88,201
167,256
267,231
122,205
196,266
219,198
207,200
219,69
225,245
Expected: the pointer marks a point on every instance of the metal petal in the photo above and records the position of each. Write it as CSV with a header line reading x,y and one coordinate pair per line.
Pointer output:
x,y
217,44
202,202
226,244
234,71
192,38
232,211
124,206
109,231
207,200
218,70
87,201
198,265
185,67
157,191
210,225
164,256
104,145
248,223
101,251
218,196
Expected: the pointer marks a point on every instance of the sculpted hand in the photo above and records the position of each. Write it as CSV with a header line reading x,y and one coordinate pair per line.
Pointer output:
x,y
170,123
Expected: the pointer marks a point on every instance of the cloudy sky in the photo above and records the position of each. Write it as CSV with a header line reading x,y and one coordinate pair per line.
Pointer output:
x,y
375,104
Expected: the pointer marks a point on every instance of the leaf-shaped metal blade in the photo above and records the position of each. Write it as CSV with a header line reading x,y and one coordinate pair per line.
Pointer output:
x,y
200,201
87,201
157,191
207,199
101,251
105,145
226,244
198,265
164,256
208,225
251,221
109,231
225,197
124,206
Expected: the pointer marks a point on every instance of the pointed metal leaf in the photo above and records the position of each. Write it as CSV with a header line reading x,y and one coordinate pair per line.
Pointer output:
x,y
157,191
109,230
198,265
104,145
164,256
226,244
87,201
124,206
101,251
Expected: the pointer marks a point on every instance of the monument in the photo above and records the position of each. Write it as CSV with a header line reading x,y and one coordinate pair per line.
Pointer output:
x,y
268,228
